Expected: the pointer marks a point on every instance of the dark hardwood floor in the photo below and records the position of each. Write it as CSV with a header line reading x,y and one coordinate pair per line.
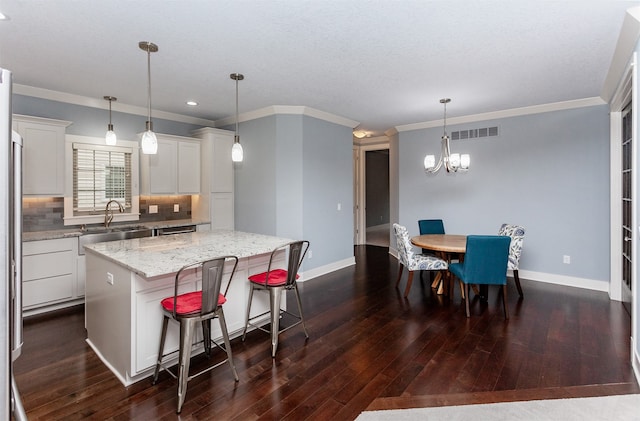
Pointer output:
x,y
369,348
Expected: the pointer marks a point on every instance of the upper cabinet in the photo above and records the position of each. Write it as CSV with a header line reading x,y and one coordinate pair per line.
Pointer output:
x,y
43,154
175,169
217,201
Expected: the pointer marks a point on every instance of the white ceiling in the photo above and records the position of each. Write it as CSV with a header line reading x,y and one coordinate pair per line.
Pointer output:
x,y
382,63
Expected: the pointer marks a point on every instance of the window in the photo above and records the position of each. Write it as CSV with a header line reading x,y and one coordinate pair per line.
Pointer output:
x,y
96,173
100,174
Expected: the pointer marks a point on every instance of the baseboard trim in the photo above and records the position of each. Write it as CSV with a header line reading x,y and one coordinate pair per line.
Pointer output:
x,y
323,270
551,278
570,281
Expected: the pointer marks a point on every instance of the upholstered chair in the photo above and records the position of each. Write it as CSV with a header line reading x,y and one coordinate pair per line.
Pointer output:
x,y
485,263
412,261
516,233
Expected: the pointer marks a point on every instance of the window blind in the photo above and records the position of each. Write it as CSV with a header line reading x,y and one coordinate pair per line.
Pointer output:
x,y
100,174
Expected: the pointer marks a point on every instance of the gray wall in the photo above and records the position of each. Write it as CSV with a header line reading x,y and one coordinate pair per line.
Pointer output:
x,y
296,171
548,172
89,121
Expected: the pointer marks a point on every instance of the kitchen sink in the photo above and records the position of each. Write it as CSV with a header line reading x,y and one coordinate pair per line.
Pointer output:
x,y
101,234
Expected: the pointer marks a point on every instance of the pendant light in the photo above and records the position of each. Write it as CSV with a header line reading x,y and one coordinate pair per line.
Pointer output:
x,y
237,155
149,142
110,138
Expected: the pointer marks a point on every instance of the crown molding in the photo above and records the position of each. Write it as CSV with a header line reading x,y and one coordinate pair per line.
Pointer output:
x,y
100,103
629,35
288,109
514,112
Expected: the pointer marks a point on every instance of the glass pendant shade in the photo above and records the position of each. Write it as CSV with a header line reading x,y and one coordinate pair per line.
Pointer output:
x,y
149,142
429,162
237,154
110,138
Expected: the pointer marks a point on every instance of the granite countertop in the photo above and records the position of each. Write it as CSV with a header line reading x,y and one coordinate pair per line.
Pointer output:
x,y
76,231
155,256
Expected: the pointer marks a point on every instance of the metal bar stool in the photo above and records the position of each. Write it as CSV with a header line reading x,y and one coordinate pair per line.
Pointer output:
x,y
189,309
275,282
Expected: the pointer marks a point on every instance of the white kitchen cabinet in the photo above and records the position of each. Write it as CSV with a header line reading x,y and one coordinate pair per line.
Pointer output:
x,y
50,275
43,154
175,169
217,204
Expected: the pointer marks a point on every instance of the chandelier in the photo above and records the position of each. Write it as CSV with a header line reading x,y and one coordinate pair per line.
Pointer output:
x,y
452,161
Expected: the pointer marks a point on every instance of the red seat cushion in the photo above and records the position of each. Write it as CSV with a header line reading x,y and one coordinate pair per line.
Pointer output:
x,y
277,277
190,302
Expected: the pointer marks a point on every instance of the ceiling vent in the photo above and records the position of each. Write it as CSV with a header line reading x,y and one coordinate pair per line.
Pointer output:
x,y
474,133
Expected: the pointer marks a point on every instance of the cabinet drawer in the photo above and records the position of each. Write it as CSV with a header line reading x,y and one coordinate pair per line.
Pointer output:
x,y
47,265
47,290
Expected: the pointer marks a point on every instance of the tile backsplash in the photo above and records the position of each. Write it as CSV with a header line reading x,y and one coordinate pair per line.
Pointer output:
x,y
165,206
42,214
46,213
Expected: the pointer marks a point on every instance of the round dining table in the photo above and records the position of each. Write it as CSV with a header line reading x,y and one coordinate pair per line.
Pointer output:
x,y
445,246
443,243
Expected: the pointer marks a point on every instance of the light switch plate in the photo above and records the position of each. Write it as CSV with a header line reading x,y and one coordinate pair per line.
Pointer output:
x,y
153,208
176,208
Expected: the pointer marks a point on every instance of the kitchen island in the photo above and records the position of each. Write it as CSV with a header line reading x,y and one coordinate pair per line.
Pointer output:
x,y
127,279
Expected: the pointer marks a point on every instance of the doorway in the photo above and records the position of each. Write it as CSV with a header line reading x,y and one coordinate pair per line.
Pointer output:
x,y
377,197
371,191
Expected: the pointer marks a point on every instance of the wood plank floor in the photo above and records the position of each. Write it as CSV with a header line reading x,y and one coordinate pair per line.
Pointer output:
x,y
369,348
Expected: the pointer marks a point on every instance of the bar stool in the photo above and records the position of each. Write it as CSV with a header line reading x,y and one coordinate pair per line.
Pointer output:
x,y
275,282
191,308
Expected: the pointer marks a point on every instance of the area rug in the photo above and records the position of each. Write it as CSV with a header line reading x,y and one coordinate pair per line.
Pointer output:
x,y
618,407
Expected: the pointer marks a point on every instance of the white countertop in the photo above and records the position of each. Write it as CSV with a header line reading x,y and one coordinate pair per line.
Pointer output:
x,y
156,256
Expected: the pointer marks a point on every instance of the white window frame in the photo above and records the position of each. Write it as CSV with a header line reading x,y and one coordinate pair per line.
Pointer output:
x,y
132,214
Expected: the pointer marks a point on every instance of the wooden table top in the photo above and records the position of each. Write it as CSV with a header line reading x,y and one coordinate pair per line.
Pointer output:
x,y
449,243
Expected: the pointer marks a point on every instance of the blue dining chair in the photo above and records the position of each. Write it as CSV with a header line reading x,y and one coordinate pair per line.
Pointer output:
x,y
430,226
485,263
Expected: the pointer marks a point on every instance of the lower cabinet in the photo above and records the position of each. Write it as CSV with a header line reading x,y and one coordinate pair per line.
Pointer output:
x,y
49,275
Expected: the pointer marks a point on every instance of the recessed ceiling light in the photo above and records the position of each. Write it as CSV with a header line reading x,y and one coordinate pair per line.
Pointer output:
x,y
192,103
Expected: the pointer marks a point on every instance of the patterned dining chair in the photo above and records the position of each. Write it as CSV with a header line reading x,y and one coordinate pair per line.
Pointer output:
x,y
485,263
412,261
516,233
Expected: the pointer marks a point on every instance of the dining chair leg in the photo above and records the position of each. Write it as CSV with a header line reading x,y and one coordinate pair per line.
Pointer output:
x,y
275,295
504,302
227,343
304,327
206,337
462,292
436,280
409,281
186,332
246,319
466,301
516,278
399,274
163,336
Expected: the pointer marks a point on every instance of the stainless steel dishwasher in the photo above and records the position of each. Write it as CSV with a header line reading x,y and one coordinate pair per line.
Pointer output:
x,y
183,229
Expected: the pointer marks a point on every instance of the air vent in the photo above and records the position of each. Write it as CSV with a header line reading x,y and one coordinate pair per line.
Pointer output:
x,y
474,133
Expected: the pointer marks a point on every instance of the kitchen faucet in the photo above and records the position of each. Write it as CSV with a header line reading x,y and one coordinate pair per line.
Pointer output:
x,y
108,213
